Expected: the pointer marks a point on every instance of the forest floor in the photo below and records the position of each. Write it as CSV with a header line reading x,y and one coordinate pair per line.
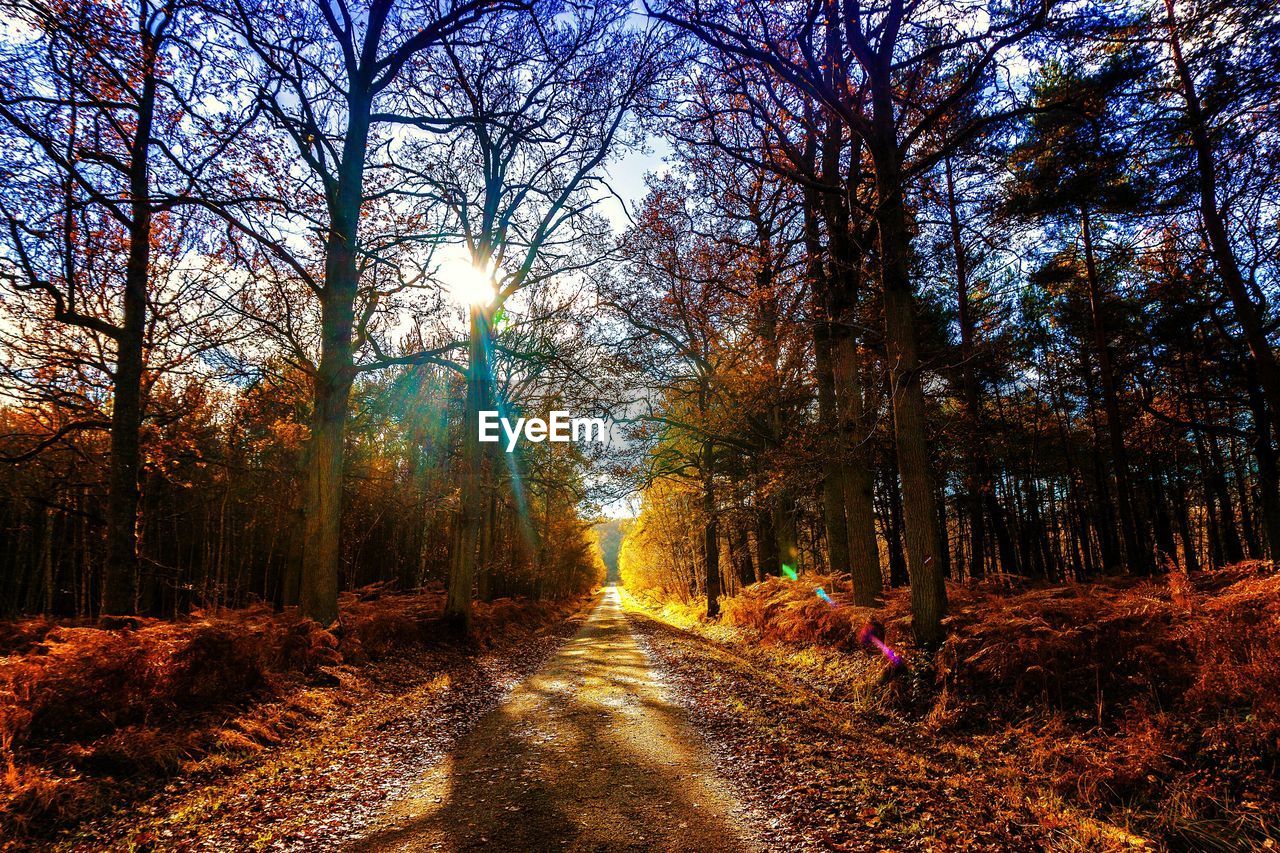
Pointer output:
x,y
373,737
1006,755
829,779
616,725
588,754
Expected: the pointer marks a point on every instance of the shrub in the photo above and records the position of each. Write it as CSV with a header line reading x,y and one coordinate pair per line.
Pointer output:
x,y
1154,695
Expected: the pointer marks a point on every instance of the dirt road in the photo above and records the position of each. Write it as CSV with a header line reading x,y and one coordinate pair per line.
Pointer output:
x,y
588,754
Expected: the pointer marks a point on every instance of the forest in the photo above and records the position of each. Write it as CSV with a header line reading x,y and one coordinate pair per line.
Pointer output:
x,y
938,497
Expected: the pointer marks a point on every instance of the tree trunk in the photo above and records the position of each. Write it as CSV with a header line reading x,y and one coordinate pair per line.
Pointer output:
x,y
784,531
1224,258
858,485
47,577
1136,556
120,572
768,562
1268,471
833,497
463,566
710,531
741,553
980,495
1190,553
322,546
920,517
893,528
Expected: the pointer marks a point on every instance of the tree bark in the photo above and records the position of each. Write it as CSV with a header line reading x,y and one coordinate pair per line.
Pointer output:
x,y
120,572
463,566
833,497
738,548
710,531
322,546
768,562
858,485
920,516
784,531
893,527
1268,471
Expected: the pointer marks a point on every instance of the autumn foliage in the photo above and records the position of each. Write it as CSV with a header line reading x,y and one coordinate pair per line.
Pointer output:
x,y
84,708
1154,695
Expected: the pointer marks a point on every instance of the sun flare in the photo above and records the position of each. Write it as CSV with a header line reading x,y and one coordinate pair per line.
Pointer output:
x,y
468,283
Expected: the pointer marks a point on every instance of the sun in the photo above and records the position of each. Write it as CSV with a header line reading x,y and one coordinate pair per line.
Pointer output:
x,y
466,282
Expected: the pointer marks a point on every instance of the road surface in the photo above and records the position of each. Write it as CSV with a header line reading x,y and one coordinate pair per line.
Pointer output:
x,y
587,754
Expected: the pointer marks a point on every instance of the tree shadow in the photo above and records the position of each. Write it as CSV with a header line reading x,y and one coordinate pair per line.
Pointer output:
x,y
585,755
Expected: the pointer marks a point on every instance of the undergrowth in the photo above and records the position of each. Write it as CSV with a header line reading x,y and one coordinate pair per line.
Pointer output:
x,y
1154,703
87,710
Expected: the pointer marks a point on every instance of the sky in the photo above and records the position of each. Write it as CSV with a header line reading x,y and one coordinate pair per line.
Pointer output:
x,y
626,176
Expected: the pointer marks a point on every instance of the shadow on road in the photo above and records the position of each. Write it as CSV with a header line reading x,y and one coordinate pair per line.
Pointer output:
x,y
586,755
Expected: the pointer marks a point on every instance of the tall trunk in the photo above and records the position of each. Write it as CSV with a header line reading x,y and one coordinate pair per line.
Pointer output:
x,y
741,554
893,528
920,517
1224,259
1224,538
1190,553
851,464
1232,545
768,560
488,529
1268,471
827,308
322,546
1136,556
291,581
1244,498
833,497
463,566
859,505
980,493
48,582
1163,523
710,531
1102,511
784,531
120,572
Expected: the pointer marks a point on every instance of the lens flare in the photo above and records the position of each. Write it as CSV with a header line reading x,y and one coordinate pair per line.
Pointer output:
x,y
894,657
870,633
466,282
788,571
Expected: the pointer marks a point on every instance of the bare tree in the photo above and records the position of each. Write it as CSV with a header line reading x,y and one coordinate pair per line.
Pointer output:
x,y
891,73
522,119
103,149
324,75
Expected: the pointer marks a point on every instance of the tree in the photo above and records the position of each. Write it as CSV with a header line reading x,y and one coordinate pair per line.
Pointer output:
x,y
1075,162
325,77
521,122
899,50
106,146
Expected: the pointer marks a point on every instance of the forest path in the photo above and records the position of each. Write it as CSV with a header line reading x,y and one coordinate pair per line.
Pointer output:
x,y
587,754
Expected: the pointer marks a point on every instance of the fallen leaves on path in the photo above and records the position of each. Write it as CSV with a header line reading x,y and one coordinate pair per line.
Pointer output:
x,y
385,724
832,778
